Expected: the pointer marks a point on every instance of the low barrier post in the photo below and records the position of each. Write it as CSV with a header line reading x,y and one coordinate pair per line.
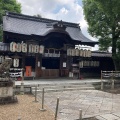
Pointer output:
x,y
36,94
22,83
56,112
80,114
43,101
101,81
112,85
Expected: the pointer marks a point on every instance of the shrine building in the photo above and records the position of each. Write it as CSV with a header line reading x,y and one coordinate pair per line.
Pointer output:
x,y
48,48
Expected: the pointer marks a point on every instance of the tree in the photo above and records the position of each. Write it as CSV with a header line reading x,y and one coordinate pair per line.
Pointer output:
x,y
103,17
8,5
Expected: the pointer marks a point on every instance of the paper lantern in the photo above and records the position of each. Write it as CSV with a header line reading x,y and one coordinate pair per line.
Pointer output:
x,y
30,48
73,52
77,52
15,62
81,52
13,46
89,53
36,47
68,52
24,47
41,49
18,47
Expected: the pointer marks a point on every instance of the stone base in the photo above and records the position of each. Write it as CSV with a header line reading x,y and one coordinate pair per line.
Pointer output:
x,y
8,100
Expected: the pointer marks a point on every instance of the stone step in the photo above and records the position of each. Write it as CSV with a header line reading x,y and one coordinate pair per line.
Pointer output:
x,y
61,86
54,87
64,89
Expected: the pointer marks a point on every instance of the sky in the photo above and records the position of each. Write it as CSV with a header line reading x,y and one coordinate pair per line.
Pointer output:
x,y
65,10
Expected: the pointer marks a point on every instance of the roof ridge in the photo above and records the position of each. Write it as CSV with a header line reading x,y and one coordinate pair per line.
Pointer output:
x,y
33,18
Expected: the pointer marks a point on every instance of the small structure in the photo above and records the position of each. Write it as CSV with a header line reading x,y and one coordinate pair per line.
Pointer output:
x,y
6,83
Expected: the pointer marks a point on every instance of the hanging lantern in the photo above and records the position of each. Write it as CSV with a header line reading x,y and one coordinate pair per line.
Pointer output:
x,y
81,52
18,47
24,47
84,53
68,52
81,64
15,62
77,52
89,53
12,46
30,48
36,49
73,52
41,49
33,48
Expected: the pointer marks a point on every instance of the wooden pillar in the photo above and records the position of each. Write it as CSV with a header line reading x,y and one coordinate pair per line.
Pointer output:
x,y
23,61
63,66
38,65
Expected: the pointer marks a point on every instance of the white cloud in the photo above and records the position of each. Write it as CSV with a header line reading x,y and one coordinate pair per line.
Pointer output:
x,y
66,10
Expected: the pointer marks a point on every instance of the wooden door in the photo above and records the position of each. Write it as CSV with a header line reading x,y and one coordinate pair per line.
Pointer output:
x,y
28,71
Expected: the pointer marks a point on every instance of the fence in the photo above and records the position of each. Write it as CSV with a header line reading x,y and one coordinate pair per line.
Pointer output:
x,y
111,76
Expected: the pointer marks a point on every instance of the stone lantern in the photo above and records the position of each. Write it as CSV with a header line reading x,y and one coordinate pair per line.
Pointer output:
x,y
6,83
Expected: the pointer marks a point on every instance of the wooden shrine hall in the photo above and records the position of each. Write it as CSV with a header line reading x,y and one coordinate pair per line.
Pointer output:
x,y
45,48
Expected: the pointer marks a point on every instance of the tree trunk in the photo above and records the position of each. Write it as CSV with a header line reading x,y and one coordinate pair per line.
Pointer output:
x,y
115,56
114,41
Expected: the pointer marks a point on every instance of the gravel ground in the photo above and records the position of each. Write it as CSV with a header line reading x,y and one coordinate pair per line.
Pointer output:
x,y
26,109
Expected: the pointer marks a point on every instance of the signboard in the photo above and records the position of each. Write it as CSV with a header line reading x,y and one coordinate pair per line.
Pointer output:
x,y
64,64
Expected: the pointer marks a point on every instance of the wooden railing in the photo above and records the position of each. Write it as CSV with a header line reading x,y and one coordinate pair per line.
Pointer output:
x,y
50,73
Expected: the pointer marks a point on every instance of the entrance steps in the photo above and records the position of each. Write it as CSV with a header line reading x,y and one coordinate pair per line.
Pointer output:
x,y
62,87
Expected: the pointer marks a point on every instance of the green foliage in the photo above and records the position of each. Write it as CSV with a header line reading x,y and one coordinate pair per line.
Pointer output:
x,y
103,17
8,5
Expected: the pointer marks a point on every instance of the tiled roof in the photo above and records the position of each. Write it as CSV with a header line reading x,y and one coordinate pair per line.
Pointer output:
x,y
29,25
101,54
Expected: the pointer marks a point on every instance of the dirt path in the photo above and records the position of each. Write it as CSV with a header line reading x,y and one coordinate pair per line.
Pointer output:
x,y
26,109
